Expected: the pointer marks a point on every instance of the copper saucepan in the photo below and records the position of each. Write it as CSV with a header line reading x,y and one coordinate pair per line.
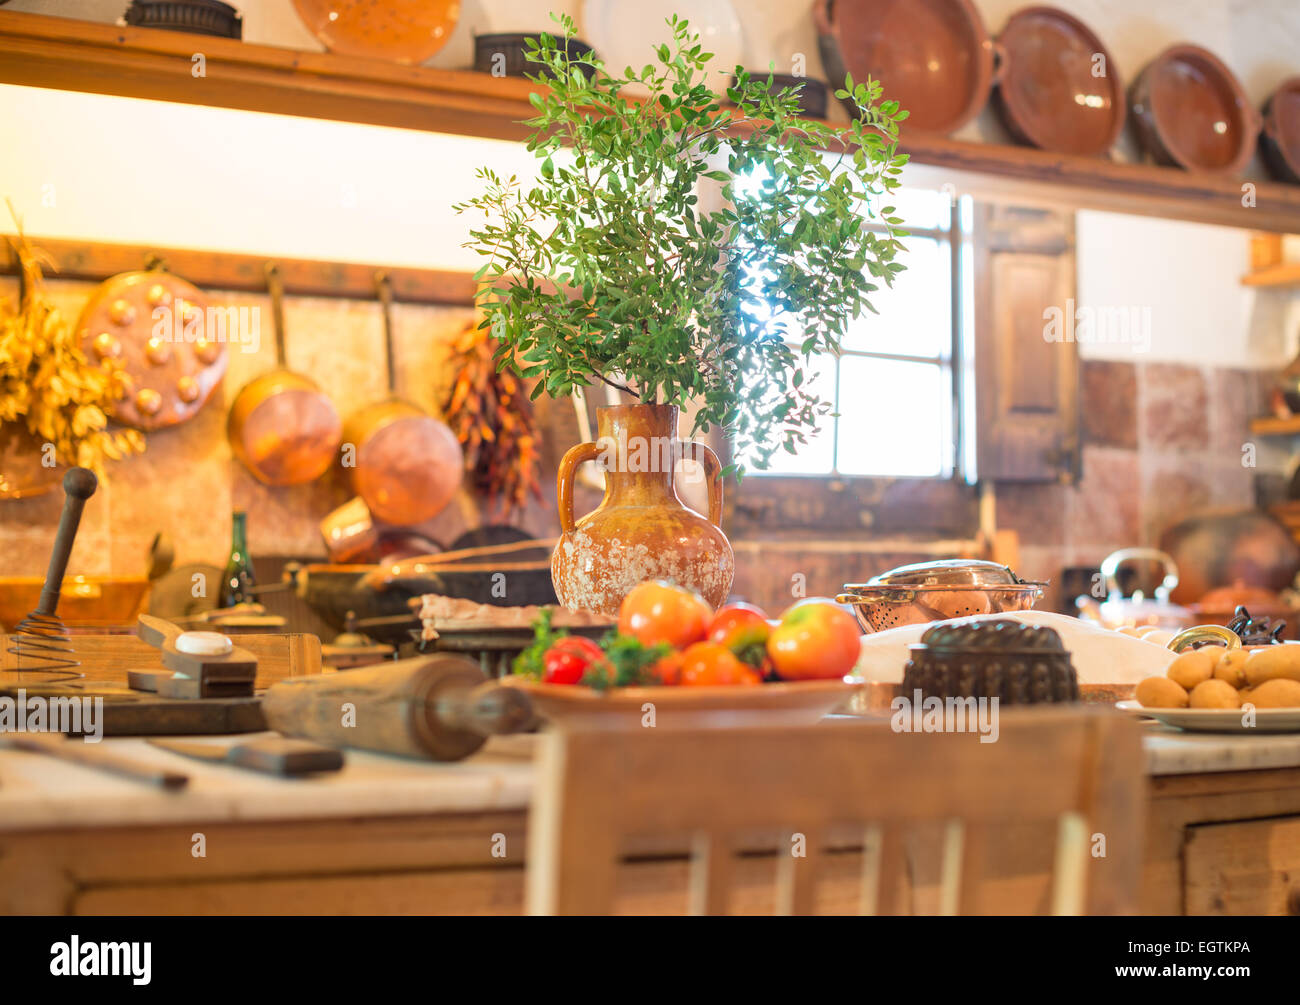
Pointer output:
x,y
407,465
282,425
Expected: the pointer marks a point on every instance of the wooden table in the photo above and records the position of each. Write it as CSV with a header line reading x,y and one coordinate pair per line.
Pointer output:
x,y
388,835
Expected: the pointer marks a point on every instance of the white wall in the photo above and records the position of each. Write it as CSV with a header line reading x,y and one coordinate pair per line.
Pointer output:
x,y
128,171
1188,276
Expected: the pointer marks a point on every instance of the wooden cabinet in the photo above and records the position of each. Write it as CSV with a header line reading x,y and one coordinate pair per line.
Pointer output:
x,y
1251,867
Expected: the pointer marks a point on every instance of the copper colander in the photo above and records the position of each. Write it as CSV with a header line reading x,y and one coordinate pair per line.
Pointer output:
x,y
936,591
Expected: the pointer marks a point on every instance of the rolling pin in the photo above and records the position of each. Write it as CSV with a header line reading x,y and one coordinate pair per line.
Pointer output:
x,y
441,707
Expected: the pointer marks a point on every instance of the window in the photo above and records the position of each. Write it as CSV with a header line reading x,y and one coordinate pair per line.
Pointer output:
x,y
896,413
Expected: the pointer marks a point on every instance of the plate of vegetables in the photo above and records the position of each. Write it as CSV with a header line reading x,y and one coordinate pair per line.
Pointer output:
x,y
674,662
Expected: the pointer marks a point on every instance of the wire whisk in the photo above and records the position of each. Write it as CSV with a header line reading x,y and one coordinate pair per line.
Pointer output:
x,y
41,643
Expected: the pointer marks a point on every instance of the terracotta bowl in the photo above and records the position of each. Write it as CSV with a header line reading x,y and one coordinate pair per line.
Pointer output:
x,y
933,57
1057,86
1279,141
86,600
1191,112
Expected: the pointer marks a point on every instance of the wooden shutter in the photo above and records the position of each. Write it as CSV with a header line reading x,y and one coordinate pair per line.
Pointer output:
x,y
1027,410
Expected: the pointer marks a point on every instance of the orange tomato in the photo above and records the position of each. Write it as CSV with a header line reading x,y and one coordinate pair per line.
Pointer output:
x,y
711,664
815,639
655,612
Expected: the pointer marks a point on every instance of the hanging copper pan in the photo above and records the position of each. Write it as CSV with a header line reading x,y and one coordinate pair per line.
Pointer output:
x,y
404,463
933,57
1191,112
282,426
1058,88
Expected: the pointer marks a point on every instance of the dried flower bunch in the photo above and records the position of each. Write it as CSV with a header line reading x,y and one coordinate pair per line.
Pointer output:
x,y
49,386
490,413
609,267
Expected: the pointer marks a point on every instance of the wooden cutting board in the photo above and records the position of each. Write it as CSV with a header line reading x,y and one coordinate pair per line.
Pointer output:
x,y
105,660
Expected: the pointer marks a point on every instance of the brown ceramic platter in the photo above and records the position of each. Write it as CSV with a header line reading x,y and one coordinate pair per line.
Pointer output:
x,y
1191,112
1057,87
572,706
1280,138
933,57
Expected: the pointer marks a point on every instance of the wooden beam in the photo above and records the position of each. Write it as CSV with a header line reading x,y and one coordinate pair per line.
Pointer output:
x,y
221,270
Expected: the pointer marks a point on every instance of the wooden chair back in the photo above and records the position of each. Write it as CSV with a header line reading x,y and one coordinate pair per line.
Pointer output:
x,y
601,793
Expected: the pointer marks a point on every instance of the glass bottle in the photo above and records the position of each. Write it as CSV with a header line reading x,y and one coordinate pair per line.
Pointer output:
x,y
237,581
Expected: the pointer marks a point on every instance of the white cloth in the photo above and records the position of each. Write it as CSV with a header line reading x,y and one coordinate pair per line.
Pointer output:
x,y
1100,655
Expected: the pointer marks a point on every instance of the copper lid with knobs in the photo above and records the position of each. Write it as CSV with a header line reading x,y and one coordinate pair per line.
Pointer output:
x,y
156,324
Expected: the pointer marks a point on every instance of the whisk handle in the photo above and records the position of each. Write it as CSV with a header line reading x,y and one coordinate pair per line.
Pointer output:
x,y
79,484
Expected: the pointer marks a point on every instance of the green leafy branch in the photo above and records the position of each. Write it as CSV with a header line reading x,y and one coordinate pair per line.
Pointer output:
x,y
685,251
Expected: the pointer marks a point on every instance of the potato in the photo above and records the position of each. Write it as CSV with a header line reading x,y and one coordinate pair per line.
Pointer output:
x,y
1194,666
1273,662
1214,694
1231,667
1277,693
1160,692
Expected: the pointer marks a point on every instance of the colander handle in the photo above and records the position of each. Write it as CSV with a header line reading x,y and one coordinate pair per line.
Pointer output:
x,y
574,457
875,597
702,454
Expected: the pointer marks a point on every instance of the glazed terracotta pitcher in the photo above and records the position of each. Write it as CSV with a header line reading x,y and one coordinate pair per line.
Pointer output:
x,y
640,530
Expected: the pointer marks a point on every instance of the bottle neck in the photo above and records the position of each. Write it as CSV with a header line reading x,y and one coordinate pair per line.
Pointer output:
x,y
238,536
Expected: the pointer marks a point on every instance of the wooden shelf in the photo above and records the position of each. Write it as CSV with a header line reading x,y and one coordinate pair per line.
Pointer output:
x,y
1283,274
66,54
1272,426
220,270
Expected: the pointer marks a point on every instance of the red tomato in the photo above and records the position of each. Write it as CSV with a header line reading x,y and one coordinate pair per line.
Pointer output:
x,y
655,612
815,639
711,664
668,669
743,629
569,659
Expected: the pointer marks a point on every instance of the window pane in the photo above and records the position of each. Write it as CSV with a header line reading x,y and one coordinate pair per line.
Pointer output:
x,y
921,208
816,456
894,417
915,316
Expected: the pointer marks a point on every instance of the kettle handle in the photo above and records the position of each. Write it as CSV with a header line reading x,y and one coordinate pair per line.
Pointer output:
x,y
573,457
703,454
1110,566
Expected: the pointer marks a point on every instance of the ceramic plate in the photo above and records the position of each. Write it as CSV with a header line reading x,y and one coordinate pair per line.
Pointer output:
x,y
569,706
1058,89
1219,720
934,57
1190,111
625,33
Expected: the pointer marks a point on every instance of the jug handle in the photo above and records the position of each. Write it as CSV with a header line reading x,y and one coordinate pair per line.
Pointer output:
x,y
704,455
564,480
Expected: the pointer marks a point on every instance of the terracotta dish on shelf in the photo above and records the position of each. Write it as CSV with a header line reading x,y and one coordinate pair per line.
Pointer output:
x,y
1191,112
1279,141
1058,88
933,57
399,31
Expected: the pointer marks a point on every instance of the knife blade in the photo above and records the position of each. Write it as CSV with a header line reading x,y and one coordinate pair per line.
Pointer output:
x,y
272,755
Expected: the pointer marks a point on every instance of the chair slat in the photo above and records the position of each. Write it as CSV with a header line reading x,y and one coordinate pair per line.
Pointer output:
x,y
869,896
796,875
710,876
1069,870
